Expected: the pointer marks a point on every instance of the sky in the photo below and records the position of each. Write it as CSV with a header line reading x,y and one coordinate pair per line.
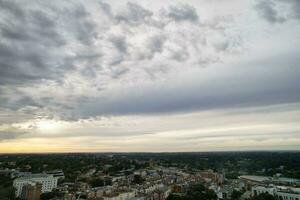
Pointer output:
x,y
149,76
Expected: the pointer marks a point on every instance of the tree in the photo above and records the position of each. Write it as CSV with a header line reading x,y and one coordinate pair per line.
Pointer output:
x,y
11,192
97,182
138,179
199,192
236,195
263,196
174,197
48,195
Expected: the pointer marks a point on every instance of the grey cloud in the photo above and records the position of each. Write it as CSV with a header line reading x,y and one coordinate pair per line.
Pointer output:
x,y
51,61
83,27
105,8
5,135
254,135
8,132
183,13
134,14
11,8
156,43
294,6
251,85
18,103
266,9
116,72
180,55
27,63
153,44
35,59
120,43
33,45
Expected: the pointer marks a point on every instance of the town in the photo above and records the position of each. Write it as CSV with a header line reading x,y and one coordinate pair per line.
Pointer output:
x,y
151,176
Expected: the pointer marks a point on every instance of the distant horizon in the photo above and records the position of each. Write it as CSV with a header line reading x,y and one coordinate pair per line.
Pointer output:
x,y
170,152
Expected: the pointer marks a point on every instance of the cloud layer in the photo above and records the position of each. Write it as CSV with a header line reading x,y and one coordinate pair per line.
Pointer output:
x,y
76,66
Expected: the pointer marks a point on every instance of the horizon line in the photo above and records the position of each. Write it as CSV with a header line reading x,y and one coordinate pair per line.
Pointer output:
x,y
159,152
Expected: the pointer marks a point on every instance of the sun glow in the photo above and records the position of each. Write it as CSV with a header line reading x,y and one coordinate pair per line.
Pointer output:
x,y
47,125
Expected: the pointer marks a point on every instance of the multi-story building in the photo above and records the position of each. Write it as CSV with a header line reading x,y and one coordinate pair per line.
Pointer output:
x,y
259,189
31,191
211,176
281,192
254,180
48,182
56,173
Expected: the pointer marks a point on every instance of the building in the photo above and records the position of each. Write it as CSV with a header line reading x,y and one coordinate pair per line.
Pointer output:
x,y
257,190
31,191
119,196
280,192
222,192
286,194
254,180
211,176
48,182
56,173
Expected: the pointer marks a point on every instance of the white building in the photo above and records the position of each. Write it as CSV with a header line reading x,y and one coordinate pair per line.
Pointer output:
x,y
281,192
222,192
48,182
287,193
257,190
56,173
268,179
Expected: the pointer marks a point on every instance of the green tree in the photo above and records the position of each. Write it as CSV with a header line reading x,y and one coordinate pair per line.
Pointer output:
x,y
138,179
263,196
174,197
236,195
97,182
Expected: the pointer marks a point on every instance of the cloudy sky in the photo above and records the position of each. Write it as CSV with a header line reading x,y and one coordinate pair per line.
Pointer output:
x,y
140,75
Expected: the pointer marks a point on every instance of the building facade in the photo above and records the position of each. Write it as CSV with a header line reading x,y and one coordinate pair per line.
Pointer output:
x,y
31,191
48,182
280,192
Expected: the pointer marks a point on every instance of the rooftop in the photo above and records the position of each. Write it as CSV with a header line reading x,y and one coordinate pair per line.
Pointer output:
x,y
32,176
269,178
